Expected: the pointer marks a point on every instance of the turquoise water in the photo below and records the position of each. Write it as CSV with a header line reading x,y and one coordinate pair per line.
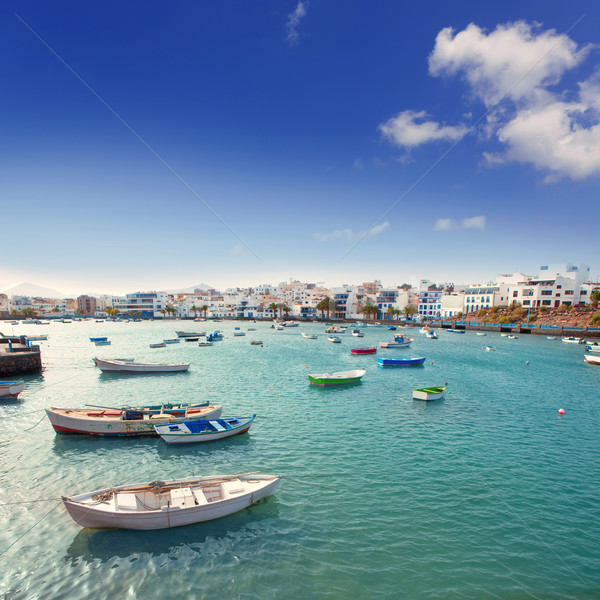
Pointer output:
x,y
488,493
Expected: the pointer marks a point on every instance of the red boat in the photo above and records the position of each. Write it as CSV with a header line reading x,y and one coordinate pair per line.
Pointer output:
x,y
363,350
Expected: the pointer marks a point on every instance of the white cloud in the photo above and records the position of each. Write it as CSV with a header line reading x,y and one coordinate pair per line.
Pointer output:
x,y
515,59
444,225
409,128
474,223
293,22
351,236
470,223
515,70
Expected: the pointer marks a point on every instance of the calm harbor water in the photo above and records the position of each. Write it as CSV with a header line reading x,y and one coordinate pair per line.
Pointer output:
x,y
486,494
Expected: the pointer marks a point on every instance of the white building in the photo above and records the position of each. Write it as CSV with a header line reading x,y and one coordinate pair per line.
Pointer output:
x,y
148,304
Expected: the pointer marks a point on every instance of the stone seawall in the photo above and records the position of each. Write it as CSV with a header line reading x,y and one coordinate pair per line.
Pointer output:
x,y
20,363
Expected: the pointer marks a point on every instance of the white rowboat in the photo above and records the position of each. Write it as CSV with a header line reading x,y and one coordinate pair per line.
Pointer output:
x,y
203,430
11,388
162,505
127,366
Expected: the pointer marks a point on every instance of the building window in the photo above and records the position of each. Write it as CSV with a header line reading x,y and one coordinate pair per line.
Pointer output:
x,y
546,292
568,293
526,302
546,302
515,293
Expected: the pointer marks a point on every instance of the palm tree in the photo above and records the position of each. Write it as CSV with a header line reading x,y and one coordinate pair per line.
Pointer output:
x,y
204,308
286,309
194,309
370,309
274,307
332,307
391,311
323,305
409,310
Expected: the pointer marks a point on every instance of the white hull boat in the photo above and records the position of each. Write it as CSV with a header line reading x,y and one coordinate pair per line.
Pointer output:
x,y
428,394
128,366
394,344
11,388
126,422
309,336
162,505
591,359
203,430
573,340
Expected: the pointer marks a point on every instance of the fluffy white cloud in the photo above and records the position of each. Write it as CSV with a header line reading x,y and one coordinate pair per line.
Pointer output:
x,y
474,223
350,235
410,128
513,60
444,225
514,70
470,223
293,22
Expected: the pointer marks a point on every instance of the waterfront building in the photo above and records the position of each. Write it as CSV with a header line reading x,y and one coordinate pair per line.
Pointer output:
x,y
148,304
86,305
430,299
485,296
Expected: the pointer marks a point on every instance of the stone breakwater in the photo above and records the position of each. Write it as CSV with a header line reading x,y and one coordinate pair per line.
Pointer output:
x,y
16,358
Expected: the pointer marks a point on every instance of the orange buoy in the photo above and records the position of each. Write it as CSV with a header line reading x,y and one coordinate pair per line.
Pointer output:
x,y
561,411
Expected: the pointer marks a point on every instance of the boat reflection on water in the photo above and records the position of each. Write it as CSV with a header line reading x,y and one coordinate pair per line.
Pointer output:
x,y
104,545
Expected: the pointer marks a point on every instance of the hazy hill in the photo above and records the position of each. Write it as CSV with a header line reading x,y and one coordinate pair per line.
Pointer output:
x,y
29,289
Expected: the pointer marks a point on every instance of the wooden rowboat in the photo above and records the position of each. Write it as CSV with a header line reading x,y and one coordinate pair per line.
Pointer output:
x,y
203,430
128,366
162,505
430,393
339,378
127,421
363,350
591,359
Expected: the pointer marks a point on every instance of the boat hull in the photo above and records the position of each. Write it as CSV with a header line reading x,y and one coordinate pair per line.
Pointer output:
x,y
115,366
183,435
429,394
400,362
115,427
363,350
11,388
591,359
93,516
341,378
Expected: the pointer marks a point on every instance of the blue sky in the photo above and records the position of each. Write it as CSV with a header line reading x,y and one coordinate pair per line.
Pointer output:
x,y
154,146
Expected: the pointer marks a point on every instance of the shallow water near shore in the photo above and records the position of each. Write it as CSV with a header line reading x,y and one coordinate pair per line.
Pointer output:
x,y
487,493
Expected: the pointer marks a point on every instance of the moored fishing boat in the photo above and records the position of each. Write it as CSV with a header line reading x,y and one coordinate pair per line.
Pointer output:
x,y
400,362
432,335
202,344
127,421
357,333
400,341
430,393
162,505
573,340
184,334
158,345
593,348
334,339
172,341
203,430
129,366
256,343
309,336
489,348
363,350
98,339
338,378
11,388
102,343
591,359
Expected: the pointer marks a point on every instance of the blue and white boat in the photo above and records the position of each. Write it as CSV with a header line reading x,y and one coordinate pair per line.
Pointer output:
x,y
203,430
11,388
400,362
391,327
98,339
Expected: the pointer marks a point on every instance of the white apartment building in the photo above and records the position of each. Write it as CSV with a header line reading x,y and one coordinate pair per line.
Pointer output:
x,y
485,296
452,304
430,299
148,304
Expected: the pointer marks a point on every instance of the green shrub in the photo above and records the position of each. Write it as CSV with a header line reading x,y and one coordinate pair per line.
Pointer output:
x,y
481,312
543,309
494,309
596,318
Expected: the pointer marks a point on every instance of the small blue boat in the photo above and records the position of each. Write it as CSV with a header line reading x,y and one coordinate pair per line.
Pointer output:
x,y
400,362
98,339
391,327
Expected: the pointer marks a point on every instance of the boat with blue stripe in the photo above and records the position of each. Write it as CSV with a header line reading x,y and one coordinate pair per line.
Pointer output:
x,y
400,362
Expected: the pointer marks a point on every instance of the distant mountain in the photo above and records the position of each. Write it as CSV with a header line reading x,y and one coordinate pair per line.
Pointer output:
x,y
29,289
190,290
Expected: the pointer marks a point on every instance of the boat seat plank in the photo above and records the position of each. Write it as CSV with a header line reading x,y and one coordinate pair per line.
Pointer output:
x,y
199,496
182,497
232,488
126,501
218,426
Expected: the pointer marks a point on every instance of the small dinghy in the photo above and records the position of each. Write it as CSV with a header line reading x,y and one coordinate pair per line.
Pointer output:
x,y
591,359
158,345
430,393
357,333
400,362
162,505
363,350
338,378
489,348
98,339
203,430
202,344
334,339
309,336
256,343
128,366
11,388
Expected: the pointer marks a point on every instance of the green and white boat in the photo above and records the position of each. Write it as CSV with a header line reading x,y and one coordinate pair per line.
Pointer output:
x,y
430,393
339,378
